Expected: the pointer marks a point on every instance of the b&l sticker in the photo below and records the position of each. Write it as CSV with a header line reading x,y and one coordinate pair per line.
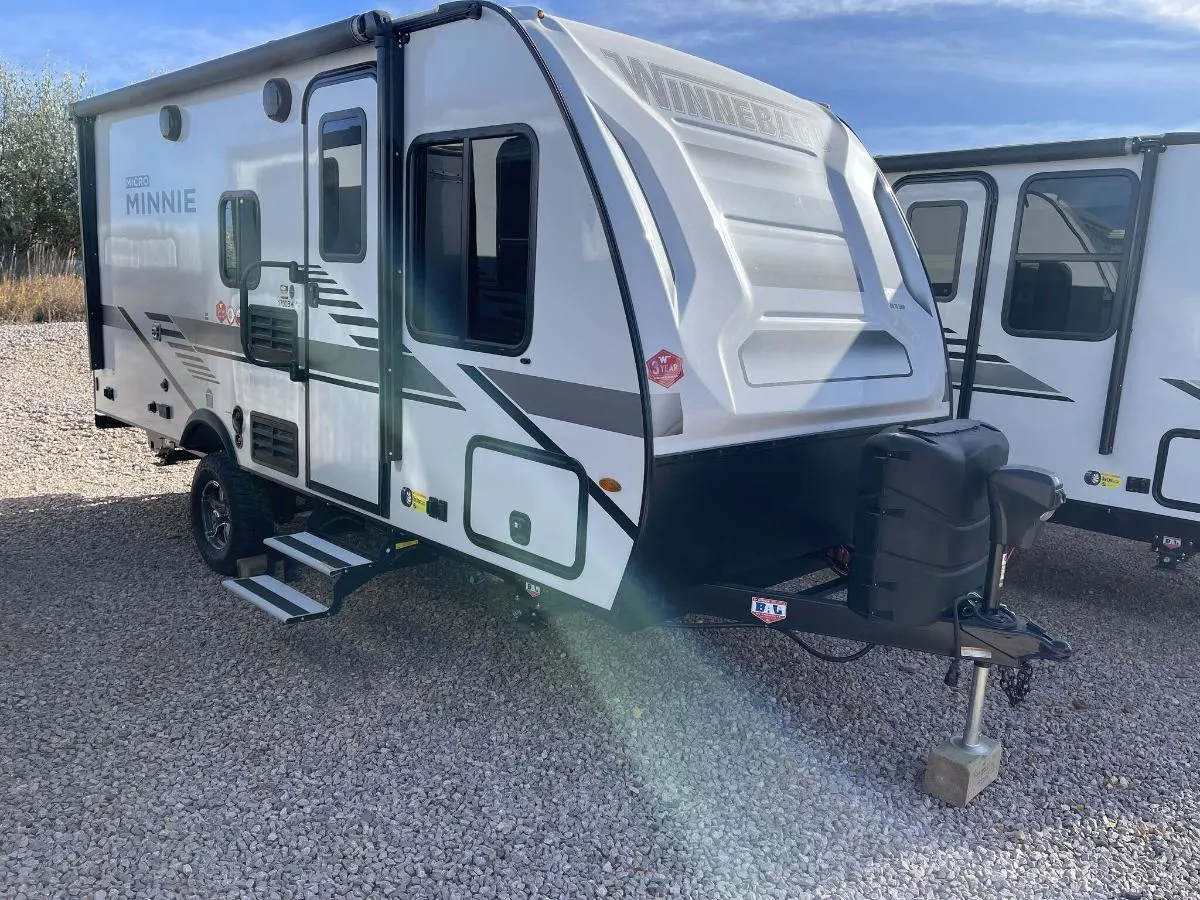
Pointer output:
x,y
769,611
1102,479
414,500
533,590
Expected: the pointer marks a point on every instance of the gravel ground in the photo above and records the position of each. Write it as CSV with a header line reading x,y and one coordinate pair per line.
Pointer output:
x,y
159,737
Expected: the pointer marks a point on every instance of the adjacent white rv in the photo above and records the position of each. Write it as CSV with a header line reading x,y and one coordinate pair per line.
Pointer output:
x,y
1060,271
618,325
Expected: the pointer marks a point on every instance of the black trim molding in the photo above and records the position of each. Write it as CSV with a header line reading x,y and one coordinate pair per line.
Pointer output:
x,y
1002,156
1160,470
89,224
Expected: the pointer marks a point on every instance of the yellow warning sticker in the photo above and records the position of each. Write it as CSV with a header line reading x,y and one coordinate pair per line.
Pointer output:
x,y
414,500
1102,479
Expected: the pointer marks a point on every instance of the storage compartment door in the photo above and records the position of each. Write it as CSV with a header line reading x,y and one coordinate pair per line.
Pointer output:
x,y
527,504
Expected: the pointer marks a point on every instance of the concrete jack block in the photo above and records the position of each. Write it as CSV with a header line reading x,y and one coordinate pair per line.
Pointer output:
x,y
956,775
252,565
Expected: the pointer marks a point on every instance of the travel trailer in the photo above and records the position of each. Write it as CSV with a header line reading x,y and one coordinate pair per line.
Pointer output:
x,y
622,327
1060,271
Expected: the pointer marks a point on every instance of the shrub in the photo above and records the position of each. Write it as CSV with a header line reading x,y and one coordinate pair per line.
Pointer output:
x,y
38,188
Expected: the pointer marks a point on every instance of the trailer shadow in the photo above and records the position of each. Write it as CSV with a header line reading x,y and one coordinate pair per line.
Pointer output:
x,y
706,742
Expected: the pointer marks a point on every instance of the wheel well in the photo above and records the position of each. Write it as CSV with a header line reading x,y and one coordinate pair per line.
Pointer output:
x,y
205,433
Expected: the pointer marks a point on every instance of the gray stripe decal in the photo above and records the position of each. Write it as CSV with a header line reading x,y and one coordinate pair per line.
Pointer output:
x,y
1188,387
224,337
1002,375
357,321
349,362
566,401
111,316
419,378
666,412
162,365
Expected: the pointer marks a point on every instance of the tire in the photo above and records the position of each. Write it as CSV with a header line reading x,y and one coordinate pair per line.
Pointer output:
x,y
231,513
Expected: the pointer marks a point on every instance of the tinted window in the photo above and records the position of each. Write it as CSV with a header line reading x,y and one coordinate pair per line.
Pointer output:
x,y
239,238
1076,215
1070,255
938,229
343,211
473,246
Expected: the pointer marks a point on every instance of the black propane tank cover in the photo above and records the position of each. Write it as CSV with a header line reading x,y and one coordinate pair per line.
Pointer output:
x,y
921,526
170,122
277,99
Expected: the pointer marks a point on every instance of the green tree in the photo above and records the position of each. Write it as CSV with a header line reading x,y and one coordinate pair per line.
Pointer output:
x,y
39,197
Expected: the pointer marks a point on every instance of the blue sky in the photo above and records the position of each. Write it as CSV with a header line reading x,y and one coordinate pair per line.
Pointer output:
x,y
907,74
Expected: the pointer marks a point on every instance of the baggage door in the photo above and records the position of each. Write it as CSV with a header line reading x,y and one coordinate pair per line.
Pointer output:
x,y
951,221
342,348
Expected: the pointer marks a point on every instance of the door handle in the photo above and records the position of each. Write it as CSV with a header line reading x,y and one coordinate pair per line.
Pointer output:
x,y
312,294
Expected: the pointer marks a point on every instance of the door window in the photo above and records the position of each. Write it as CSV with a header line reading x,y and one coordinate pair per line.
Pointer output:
x,y
343,197
474,209
1070,254
939,228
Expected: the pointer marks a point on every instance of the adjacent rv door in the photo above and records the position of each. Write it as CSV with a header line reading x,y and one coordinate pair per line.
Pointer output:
x,y
341,201
1052,298
951,220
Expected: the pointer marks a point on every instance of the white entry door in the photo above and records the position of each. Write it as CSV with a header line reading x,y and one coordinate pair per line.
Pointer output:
x,y
342,350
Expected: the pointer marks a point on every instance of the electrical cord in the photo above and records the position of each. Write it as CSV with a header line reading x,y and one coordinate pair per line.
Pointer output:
x,y
829,657
804,645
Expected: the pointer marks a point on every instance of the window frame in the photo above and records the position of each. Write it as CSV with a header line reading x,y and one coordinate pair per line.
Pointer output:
x,y
416,195
958,253
234,196
1121,289
355,112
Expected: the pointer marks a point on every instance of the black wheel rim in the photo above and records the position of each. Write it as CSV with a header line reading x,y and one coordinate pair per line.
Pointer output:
x,y
214,515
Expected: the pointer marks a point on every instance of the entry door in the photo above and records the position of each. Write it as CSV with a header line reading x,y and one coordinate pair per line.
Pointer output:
x,y
342,358
950,219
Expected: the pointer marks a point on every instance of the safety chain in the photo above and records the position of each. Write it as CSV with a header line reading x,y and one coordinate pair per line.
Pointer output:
x,y
1016,682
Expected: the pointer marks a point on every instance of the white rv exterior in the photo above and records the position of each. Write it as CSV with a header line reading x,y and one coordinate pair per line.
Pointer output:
x,y
617,325
697,261
1062,277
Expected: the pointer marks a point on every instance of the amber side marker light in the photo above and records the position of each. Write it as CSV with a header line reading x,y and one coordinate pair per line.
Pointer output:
x,y
610,484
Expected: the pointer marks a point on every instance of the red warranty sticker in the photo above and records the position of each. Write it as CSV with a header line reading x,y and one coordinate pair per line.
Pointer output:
x,y
769,611
228,314
664,368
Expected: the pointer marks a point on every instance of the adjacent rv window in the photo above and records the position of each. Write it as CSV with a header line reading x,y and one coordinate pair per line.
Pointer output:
x,y
239,238
474,207
1071,246
938,229
343,196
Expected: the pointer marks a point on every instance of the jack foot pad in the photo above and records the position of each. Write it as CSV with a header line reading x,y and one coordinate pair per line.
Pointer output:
x,y
956,776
